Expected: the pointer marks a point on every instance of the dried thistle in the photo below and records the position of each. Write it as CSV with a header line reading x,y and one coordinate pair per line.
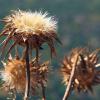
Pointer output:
x,y
14,77
87,72
36,28
30,30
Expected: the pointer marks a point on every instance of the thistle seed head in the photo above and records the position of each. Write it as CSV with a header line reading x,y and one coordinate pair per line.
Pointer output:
x,y
34,27
87,74
14,77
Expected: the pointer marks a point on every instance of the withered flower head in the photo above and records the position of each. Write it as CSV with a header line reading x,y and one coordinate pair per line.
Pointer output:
x,y
14,77
87,72
34,27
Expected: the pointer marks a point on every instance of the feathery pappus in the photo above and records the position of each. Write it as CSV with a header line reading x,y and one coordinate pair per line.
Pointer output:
x,y
87,72
34,27
14,78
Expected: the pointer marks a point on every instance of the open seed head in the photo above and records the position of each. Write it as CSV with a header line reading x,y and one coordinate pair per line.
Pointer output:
x,y
34,27
14,77
87,72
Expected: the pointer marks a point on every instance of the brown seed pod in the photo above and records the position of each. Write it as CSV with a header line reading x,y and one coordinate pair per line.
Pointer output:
x,y
34,27
14,77
87,72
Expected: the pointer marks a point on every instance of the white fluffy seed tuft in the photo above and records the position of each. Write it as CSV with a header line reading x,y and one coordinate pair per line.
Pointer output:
x,y
32,22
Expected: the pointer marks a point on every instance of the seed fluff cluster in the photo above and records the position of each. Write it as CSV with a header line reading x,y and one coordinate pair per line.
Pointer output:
x,y
87,72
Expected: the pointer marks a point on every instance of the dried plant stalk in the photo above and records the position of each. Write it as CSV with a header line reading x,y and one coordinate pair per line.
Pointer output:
x,y
37,55
43,92
27,89
69,86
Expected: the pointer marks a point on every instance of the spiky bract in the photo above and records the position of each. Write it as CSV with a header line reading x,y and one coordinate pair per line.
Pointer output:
x,y
87,74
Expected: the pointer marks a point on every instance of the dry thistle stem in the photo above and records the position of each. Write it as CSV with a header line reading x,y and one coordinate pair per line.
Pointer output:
x,y
14,77
71,79
34,27
87,72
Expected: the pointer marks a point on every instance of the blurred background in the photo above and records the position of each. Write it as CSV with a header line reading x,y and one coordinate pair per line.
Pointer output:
x,y
78,26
